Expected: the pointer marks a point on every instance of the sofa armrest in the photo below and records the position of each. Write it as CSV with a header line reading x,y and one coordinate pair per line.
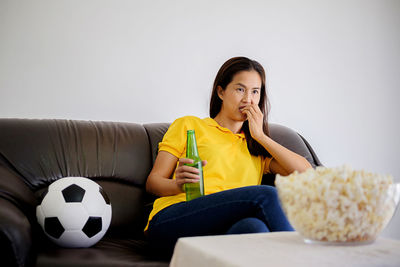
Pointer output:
x,y
15,235
293,141
17,210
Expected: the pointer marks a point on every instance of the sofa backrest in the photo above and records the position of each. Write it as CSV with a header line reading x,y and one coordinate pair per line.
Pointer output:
x,y
116,155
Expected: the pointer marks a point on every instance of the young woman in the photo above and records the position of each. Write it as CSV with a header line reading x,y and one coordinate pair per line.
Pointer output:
x,y
237,150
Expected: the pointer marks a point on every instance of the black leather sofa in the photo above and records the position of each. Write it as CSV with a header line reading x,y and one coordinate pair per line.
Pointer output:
x,y
118,156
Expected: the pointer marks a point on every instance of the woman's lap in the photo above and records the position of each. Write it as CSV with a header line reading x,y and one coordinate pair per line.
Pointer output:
x,y
216,213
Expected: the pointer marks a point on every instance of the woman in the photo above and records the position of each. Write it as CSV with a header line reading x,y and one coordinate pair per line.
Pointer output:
x,y
237,150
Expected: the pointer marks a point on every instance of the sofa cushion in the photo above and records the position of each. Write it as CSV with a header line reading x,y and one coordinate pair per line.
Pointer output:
x,y
108,252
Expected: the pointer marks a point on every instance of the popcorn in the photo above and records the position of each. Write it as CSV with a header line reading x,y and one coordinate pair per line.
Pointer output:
x,y
337,204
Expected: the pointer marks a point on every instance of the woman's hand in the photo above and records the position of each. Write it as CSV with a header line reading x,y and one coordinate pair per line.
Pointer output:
x,y
186,174
255,119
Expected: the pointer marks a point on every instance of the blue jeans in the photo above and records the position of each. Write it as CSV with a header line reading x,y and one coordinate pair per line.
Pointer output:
x,y
250,209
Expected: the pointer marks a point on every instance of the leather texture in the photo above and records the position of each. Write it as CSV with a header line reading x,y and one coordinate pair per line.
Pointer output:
x,y
108,252
117,155
156,132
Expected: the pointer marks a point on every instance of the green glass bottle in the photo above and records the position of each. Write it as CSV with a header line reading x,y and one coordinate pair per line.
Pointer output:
x,y
194,190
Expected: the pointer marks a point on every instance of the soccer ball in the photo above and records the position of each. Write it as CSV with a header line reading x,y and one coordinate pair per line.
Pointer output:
x,y
75,212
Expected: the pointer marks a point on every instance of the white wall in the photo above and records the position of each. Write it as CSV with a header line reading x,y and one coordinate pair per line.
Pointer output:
x,y
333,67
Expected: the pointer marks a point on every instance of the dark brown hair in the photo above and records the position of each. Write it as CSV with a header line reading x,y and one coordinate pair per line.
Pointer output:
x,y
223,78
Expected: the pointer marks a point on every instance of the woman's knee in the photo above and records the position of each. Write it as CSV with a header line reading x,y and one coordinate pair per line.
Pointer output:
x,y
261,190
268,189
265,193
258,195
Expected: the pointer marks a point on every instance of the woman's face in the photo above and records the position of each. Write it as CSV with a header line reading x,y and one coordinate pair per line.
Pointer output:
x,y
243,90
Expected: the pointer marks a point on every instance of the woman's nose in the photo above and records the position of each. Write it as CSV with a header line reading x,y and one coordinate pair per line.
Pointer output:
x,y
246,98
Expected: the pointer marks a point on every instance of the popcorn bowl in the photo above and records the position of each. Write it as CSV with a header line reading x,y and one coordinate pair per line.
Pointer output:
x,y
338,205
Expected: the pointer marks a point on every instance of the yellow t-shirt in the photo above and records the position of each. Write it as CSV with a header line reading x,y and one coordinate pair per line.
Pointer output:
x,y
229,162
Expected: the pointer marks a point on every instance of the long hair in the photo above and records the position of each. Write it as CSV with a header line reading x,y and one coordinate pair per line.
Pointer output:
x,y
223,78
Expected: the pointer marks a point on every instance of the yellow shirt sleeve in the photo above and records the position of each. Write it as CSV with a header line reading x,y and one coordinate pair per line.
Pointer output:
x,y
174,140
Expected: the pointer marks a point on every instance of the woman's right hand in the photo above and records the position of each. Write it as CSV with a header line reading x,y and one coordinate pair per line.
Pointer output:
x,y
186,174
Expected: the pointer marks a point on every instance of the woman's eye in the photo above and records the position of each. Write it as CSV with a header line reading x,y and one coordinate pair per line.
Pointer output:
x,y
240,89
255,91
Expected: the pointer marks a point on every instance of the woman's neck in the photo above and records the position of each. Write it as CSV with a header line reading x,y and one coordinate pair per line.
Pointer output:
x,y
234,126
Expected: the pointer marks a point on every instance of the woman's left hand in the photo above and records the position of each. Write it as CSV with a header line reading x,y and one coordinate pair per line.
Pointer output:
x,y
255,118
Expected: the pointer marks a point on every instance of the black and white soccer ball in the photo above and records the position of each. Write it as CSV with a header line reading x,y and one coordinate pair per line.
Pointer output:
x,y
75,212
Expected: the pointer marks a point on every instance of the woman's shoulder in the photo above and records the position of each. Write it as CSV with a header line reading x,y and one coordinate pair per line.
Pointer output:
x,y
188,120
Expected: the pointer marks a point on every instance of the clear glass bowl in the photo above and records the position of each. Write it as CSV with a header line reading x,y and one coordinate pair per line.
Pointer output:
x,y
337,214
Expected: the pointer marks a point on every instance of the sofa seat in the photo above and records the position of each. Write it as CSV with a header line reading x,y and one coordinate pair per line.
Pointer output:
x,y
107,252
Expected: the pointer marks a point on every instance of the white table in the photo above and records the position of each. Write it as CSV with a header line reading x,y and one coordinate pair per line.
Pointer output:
x,y
280,249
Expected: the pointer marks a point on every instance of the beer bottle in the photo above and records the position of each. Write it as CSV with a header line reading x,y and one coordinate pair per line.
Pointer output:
x,y
193,190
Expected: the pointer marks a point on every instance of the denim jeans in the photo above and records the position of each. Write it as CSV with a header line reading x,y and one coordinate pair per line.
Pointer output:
x,y
250,209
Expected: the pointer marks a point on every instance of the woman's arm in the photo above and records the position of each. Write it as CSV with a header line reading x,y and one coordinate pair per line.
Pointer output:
x,y
159,181
284,161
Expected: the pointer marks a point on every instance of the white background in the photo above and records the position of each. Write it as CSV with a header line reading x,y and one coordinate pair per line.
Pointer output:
x,y
333,67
